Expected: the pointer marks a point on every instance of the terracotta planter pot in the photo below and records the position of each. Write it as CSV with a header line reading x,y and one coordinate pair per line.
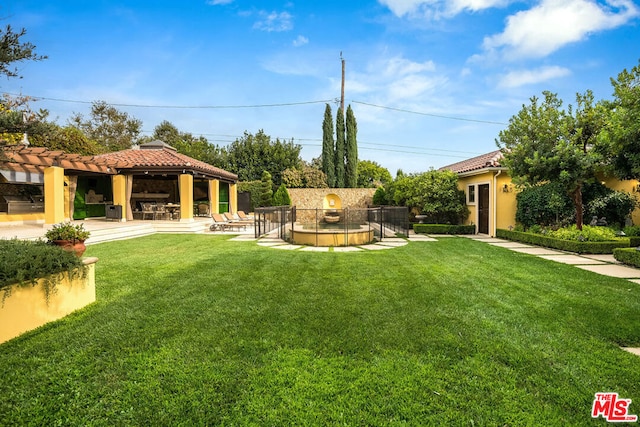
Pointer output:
x,y
76,246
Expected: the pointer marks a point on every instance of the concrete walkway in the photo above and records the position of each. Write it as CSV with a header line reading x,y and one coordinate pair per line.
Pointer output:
x,y
606,265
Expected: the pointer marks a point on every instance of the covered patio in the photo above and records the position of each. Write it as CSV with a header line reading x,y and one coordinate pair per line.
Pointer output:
x,y
151,182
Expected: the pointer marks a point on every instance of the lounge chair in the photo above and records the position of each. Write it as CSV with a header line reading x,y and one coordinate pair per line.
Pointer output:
x,y
219,223
243,216
233,220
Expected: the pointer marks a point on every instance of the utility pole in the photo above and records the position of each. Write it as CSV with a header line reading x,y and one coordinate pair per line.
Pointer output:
x,y
342,88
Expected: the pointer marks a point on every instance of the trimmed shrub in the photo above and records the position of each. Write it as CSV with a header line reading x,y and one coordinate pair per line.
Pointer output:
x,y
587,234
629,256
379,197
564,245
23,261
443,229
281,197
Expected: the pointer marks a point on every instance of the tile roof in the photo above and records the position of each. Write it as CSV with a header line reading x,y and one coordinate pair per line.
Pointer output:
x,y
21,158
484,161
160,156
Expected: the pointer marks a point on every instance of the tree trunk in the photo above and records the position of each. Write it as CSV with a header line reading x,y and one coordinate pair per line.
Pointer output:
x,y
577,201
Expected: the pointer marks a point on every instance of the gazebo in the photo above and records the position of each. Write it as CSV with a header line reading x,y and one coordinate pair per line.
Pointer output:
x,y
53,186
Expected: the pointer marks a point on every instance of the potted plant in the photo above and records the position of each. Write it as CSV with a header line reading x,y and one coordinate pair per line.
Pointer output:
x,y
69,236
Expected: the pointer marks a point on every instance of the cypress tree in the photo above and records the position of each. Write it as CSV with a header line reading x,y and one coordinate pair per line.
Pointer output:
x,y
351,151
340,148
328,148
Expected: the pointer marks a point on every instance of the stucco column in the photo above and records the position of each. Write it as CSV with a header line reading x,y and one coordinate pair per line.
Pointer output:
x,y
53,195
214,195
185,186
233,198
119,189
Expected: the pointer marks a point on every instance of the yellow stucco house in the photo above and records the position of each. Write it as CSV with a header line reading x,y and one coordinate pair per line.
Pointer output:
x,y
491,196
42,186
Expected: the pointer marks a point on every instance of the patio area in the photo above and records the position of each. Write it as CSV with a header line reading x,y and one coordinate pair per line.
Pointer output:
x,y
103,230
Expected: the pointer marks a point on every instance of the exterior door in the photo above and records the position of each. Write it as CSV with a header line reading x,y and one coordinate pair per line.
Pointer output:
x,y
483,209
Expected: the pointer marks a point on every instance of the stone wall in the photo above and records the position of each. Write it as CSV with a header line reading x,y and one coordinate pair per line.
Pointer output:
x,y
313,198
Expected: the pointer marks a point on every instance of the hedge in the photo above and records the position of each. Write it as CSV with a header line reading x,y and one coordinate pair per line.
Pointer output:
x,y
444,229
630,256
564,245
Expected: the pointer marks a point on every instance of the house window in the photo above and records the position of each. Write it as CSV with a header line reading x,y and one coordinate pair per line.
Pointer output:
x,y
471,195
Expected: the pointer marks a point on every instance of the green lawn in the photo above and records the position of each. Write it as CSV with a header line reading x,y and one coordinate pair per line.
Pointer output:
x,y
197,330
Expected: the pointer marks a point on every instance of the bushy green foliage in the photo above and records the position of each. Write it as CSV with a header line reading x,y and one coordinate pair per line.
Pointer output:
x,y
444,229
67,231
587,234
633,230
565,245
23,261
629,256
548,204
281,197
380,197
433,193
371,174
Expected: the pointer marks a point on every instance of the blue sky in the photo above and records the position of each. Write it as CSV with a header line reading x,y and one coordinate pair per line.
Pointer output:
x,y
431,82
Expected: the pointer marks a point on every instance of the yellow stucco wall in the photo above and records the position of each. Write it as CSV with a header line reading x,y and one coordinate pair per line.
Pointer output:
x,y
214,195
26,308
630,186
233,198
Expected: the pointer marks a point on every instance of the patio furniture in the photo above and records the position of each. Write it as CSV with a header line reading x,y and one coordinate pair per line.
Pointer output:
x,y
203,209
173,209
219,223
243,216
147,209
161,212
236,221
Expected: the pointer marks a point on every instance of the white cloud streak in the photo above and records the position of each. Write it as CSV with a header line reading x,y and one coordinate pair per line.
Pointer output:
x,y
542,30
519,78
300,41
274,22
435,9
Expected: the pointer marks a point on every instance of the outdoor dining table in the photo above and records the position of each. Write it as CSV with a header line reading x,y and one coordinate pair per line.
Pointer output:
x,y
172,208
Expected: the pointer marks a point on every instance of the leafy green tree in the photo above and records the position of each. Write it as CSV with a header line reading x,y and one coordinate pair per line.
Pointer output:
x,y
308,177
351,152
292,178
251,155
371,174
544,143
328,148
113,129
281,196
434,194
340,149
185,143
13,50
621,135
266,193
380,197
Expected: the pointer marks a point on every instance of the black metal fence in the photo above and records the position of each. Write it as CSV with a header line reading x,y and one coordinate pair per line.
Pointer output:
x,y
341,225
273,218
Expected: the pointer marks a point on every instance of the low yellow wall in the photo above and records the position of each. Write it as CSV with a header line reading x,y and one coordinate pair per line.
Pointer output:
x,y
354,238
26,308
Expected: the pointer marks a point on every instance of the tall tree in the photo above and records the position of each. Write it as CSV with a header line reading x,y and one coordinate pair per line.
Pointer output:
x,y
328,147
351,151
13,50
340,149
544,143
621,135
113,129
250,155
372,175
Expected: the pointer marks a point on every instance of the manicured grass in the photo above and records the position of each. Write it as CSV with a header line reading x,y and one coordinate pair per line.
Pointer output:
x,y
197,330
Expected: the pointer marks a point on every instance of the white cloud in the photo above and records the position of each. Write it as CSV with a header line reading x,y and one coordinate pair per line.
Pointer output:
x,y
300,41
434,9
219,2
526,77
274,22
552,24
